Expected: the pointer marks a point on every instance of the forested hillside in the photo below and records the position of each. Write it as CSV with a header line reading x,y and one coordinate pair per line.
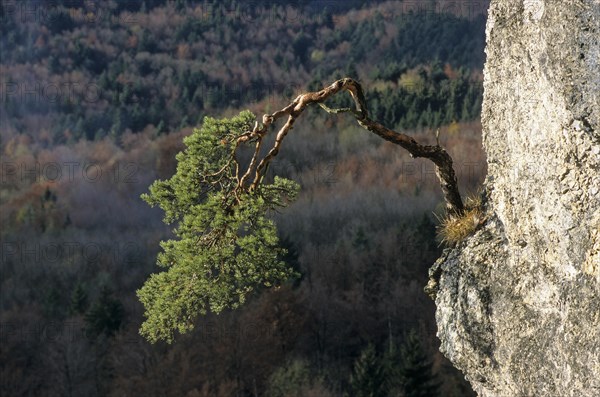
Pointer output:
x,y
73,74
95,100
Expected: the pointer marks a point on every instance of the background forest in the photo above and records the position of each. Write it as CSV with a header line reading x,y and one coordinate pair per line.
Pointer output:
x,y
95,98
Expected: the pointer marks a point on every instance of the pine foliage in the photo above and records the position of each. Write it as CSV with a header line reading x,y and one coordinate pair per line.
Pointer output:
x,y
225,245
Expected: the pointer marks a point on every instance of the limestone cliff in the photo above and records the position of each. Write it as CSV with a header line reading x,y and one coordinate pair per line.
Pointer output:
x,y
518,302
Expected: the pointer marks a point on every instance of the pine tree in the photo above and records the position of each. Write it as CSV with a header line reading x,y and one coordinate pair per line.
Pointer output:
x,y
392,362
368,376
105,316
289,380
415,371
226,247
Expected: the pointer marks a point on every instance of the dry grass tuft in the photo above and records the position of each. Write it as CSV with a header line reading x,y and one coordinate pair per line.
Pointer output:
x,y
455,228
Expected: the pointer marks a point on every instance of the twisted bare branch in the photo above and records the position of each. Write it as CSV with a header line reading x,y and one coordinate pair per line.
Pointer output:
x,y
437,154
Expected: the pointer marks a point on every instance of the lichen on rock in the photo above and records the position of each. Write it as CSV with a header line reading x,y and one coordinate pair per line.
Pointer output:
x,y
518,302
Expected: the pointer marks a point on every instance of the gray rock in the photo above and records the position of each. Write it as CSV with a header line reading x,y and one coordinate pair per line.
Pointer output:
x,y
518,302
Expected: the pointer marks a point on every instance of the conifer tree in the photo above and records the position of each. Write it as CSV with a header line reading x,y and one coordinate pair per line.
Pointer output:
x,y
368,375
226,245
415,371
105,316
220,198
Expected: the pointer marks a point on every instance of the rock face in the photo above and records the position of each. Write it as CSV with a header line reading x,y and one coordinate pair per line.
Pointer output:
x,y
518,302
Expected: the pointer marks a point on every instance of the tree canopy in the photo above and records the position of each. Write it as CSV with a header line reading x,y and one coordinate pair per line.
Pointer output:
x,y
226,246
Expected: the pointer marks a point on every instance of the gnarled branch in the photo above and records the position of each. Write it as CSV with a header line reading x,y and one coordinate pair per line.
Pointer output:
x,y
435,153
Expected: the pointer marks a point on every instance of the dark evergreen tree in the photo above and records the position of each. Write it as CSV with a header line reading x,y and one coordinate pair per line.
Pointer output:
x,y
105,316
391,363
415,372
368,376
